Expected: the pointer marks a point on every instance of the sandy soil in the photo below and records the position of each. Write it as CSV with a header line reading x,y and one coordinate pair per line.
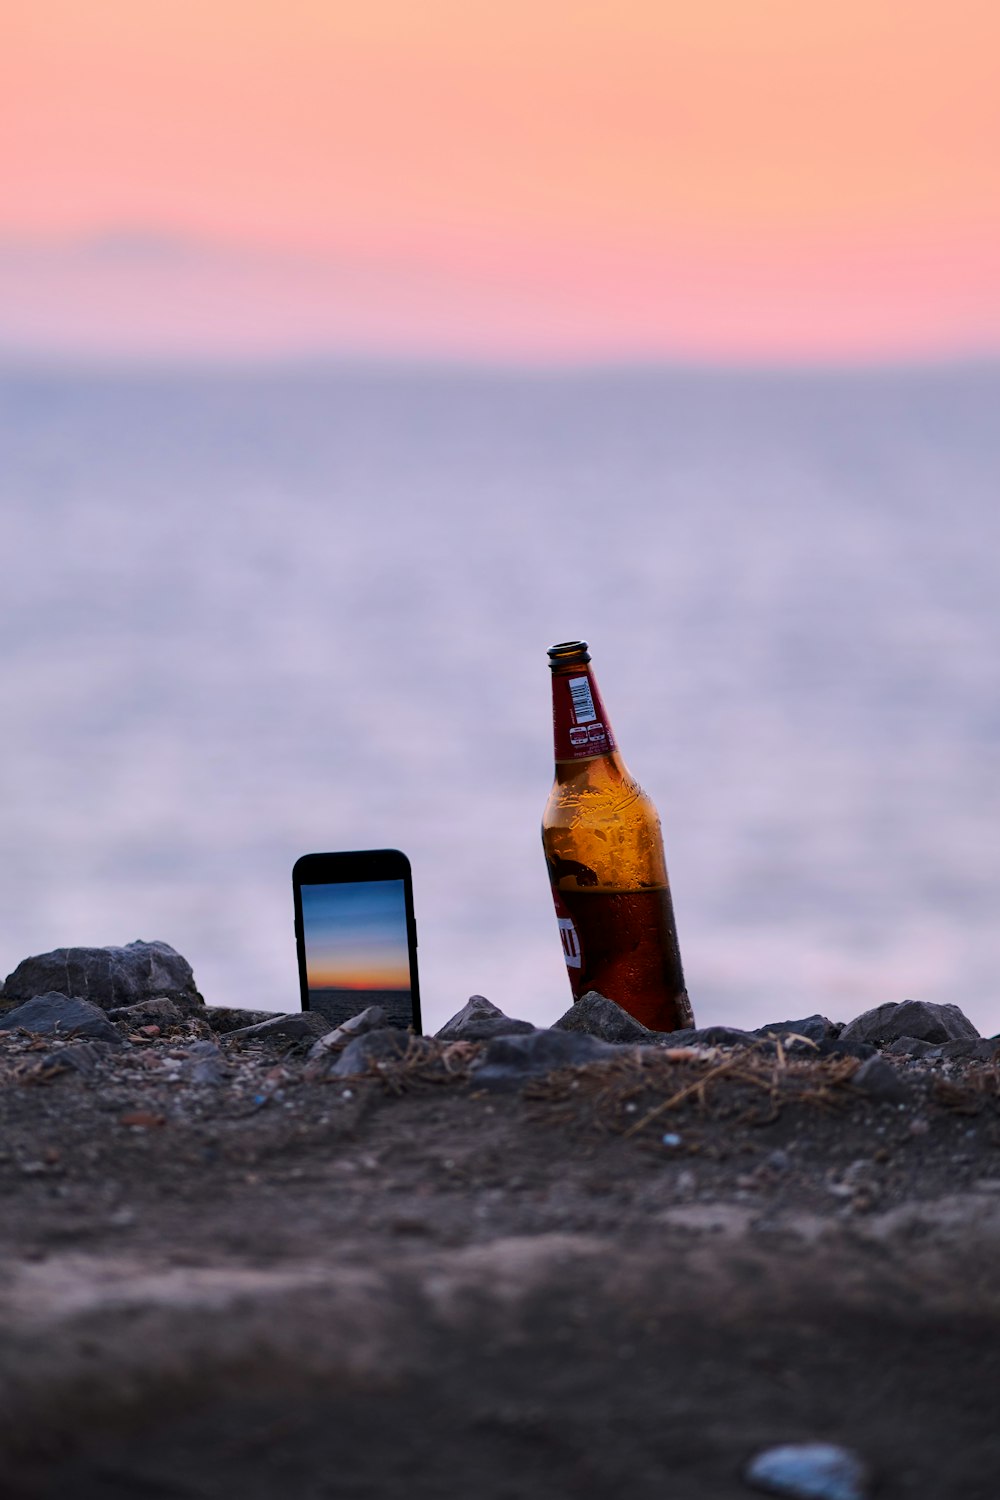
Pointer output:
x,y
624,1279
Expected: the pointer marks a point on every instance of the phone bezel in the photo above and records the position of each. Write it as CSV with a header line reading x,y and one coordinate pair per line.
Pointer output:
x,y
348,866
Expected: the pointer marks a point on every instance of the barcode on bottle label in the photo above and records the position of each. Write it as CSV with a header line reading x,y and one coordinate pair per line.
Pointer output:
x,y
583,702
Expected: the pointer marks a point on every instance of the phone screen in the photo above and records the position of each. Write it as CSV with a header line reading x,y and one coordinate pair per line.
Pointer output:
x,y
356,948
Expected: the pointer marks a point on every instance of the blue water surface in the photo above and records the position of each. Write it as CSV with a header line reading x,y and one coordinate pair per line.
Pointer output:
x,y
248,613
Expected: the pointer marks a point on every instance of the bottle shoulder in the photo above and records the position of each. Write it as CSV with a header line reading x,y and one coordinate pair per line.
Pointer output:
x,y
596,793
595,771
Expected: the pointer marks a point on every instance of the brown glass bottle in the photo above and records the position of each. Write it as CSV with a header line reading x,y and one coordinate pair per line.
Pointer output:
x,y
604,851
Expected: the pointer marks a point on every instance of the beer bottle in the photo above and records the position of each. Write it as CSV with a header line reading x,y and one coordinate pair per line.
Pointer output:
x,y
604,851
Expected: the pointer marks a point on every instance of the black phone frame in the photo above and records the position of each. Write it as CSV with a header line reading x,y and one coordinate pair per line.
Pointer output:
x,y
349,866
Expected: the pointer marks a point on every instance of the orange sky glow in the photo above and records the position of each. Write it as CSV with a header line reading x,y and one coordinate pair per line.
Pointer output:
x,y
732,179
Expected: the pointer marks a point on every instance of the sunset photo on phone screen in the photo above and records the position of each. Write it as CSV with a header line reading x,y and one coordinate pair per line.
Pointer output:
x,y
356,948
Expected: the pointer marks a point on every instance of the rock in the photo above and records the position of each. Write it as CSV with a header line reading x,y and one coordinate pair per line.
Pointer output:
x,y
296,1027
476,1008
108,977
706,1036
813,1028
824,1040
880,1081
916,1018
337,1038
982,1049
205,1063
478,1020
595,1015
55,1014
225,1018
810,1471
389,1045
159,1012
81,1057
839,1047
490,1026
507,1061
907,1046
968,1049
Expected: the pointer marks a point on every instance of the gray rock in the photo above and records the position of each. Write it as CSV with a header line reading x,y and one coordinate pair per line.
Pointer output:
x,y
916,1018
337,1038
490,1026
839,1047
476,1012
507,1061
880,1081
81,1057
225,1018
478,1020
390,1045
814,1028
595,1015
983,1049
810,1471
296,1027
159,1012
108,977
817,1045
205,1063
908,1046
61,1015
707,1036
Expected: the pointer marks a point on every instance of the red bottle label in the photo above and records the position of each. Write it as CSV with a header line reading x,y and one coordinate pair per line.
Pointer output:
x,y
579,721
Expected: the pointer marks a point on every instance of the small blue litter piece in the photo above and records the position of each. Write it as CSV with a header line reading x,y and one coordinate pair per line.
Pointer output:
x,y
809,1471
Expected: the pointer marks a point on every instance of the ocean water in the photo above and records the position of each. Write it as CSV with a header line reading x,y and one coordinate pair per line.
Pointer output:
x,y
248,614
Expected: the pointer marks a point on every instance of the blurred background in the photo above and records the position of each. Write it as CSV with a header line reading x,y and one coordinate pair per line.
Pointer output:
x,y
351,356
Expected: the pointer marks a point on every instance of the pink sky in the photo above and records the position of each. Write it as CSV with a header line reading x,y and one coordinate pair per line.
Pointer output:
x,y
738,179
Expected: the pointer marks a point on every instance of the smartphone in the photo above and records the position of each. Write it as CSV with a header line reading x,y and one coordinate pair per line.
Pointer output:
x,y
356,935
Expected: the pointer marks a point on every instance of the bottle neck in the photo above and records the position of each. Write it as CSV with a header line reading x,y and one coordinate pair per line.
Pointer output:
x,y
580,726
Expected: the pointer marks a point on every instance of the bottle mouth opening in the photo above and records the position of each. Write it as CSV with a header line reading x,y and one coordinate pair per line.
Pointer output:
x,y
568,651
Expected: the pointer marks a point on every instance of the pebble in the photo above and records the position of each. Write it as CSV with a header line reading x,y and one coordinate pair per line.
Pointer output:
x,y
336,1038
809,1471
479,1020
296,1027
917,1020
594,1014
84,1057
205,1063
388,1044
880,1081
671,1139
508,1061
814,1028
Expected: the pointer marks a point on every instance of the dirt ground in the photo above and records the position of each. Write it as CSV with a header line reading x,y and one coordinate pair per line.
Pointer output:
x,y
623,1279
